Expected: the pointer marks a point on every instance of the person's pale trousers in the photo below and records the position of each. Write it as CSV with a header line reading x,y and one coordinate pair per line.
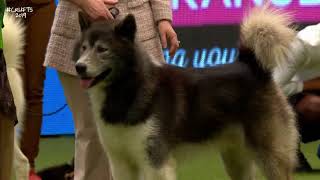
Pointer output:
x,y
91,163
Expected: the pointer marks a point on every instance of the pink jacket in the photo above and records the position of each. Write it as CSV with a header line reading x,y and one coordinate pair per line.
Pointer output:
x,y
65,29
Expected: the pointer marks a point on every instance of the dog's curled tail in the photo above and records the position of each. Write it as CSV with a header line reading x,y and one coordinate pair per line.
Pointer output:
x,y
267,33
13,40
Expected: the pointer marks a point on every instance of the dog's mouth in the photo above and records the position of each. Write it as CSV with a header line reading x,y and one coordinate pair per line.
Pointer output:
x,y
88,82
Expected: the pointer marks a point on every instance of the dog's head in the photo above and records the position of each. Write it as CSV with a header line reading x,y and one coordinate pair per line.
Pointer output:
x,y
105,51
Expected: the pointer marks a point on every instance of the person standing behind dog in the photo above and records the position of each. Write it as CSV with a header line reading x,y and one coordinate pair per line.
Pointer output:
x,y
37,17
154,29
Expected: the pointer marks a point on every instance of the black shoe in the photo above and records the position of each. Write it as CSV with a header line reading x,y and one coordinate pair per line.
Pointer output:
x,y
57,172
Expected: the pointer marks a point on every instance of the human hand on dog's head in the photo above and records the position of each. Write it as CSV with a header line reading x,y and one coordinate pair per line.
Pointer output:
x,y
167,33
98,9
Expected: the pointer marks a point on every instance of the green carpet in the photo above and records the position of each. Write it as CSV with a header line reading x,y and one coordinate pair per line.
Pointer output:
x,y
59,150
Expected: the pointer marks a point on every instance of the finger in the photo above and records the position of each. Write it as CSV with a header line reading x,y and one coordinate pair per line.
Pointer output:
x,y
163,38
173,50
110,2
109,15
174,45
92,16
100,16
102,13
99,13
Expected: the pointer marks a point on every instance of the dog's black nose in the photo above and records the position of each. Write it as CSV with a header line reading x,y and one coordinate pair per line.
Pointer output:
x,y
81,68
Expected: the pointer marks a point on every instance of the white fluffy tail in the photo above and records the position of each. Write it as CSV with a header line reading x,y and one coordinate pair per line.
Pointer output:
x,y
268,34
14,40
13,49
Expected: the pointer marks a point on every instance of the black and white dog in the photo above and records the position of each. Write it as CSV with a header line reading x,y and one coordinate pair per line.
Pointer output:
x,y
146,112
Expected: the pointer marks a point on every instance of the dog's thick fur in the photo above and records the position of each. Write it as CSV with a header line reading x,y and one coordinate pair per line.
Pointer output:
x,y
148,113
13,40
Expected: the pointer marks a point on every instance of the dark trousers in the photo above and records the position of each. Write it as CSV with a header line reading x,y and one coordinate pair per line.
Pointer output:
x,y
6,146
38,25
309,129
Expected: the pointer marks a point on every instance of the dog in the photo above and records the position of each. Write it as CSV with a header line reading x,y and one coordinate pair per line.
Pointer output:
x,y
151,116
14,42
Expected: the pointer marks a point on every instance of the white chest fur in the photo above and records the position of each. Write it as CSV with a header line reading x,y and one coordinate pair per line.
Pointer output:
x,y
128,142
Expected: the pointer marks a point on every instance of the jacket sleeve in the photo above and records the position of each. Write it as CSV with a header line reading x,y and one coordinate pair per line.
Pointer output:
x,y
286,75
292,88
161,10
286,79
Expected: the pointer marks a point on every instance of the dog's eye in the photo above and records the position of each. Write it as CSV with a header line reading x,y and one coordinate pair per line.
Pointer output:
x,y
101,49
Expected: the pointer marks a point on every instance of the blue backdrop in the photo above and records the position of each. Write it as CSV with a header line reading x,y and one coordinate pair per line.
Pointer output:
x,y
57,118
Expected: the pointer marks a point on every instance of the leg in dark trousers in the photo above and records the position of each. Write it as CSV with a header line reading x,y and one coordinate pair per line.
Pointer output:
x,y
38,25
307,107
6,146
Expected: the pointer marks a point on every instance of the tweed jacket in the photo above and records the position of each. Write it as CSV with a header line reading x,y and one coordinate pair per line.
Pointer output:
x,y
66,28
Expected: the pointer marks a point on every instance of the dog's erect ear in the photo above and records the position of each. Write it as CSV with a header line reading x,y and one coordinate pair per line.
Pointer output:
x,y
84,21
127,28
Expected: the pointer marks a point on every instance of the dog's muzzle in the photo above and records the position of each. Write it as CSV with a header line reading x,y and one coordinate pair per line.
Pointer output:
x,y
81,69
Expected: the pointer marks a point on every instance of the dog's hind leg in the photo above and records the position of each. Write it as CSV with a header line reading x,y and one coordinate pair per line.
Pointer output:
x,y
238,163
277,158
237,157
275,148
275,165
